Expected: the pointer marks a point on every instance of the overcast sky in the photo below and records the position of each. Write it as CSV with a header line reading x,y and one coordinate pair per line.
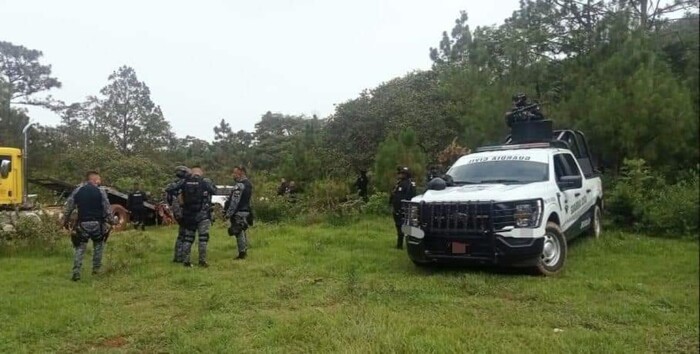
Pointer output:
x,y
208,60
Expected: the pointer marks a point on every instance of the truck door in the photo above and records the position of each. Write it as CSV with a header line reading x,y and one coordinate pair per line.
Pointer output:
x,y
571,198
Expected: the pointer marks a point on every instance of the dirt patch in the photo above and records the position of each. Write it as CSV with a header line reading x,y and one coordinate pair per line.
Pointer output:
x,y
114,342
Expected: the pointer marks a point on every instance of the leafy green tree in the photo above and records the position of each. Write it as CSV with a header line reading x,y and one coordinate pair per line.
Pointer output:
x,y
21,69
133,122
398,150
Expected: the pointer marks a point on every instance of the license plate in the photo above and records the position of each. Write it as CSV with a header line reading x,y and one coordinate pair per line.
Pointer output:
x,y
459,248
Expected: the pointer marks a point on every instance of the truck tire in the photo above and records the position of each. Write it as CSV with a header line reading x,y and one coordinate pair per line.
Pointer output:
x,y
554,251
596,228
121,216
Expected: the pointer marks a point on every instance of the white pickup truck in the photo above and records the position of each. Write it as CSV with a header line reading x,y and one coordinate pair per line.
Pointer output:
x,y
514,204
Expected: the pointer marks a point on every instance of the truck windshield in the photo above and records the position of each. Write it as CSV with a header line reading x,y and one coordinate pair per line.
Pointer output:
x,y
517,172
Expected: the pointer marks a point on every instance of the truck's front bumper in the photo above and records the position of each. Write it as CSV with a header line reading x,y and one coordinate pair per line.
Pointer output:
x,y
487,248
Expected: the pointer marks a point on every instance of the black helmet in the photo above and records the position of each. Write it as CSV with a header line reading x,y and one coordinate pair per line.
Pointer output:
x,y
519,99
403,170
181,171
437,184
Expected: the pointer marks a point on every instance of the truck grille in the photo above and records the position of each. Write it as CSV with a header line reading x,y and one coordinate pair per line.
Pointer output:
x,y
465,217
445,218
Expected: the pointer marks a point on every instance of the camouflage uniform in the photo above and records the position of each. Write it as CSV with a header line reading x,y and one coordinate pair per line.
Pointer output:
x,y
95,229
196,218
176,208
239,212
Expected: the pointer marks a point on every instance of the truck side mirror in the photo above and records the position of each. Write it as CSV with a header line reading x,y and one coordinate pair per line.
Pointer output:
x,y
570,182
4,168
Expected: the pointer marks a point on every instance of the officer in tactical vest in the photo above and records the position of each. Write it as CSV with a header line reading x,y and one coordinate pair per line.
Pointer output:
x,y
523,111
135,201
405,189
239,211
94,217
195,192
175,202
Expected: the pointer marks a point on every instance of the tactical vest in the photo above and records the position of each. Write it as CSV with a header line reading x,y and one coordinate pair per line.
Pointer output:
x,y
136,200
89,201
193,193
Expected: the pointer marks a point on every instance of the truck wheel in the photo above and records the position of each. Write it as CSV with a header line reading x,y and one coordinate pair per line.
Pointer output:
x,y
121,217
596,222
553,252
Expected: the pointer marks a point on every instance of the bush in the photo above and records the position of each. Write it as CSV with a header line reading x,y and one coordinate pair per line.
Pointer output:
x,y
673,210
642,201
34,231
270,209
378,204
326,195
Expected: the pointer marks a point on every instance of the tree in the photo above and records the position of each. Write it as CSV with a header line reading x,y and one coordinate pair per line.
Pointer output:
x,y
398,150
134,123
26,76
12,120
273,138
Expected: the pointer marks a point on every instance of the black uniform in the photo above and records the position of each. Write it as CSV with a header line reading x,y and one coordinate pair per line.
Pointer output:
x,y
138,210
361,184
405,189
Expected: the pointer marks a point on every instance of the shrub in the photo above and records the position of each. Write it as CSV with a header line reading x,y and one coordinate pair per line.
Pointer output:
x,y
326,195
34,231
673,210
641,200
378,204
270,209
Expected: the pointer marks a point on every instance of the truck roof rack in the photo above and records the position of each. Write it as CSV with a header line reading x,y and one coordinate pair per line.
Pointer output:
x,y
540,145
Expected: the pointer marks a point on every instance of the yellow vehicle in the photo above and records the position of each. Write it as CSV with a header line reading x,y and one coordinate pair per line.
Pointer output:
x,y
12,183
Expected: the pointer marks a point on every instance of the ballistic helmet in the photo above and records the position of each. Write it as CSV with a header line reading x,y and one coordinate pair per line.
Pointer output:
x,y
181,171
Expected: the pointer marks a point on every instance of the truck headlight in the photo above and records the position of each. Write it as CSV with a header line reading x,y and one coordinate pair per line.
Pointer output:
x,y
412,215
527,214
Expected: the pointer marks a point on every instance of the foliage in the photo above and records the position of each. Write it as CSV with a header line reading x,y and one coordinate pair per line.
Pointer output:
x,y
674,210
133,122
271,209
378,204
643,201
26,76
401,150
38,232
325,195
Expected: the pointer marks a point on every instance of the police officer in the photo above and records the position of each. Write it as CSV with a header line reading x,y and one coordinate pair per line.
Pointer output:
x,y
135,202
174,201
361,184
405,189
196,192
94,212
523,111
239,210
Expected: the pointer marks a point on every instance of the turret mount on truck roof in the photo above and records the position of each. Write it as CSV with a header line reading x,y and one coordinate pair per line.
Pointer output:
x,y
530,129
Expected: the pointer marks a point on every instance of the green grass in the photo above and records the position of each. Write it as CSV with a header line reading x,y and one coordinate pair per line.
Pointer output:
x,y
326,288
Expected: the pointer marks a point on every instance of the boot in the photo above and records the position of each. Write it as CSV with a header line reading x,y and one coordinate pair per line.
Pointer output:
x,y
187,264
399,242
242,255
143,227
75,277
203,264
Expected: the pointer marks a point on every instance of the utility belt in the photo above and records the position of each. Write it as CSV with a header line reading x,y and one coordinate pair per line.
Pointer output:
x,y
85,230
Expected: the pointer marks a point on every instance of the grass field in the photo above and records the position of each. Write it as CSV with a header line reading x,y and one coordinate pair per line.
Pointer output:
x,y
326,288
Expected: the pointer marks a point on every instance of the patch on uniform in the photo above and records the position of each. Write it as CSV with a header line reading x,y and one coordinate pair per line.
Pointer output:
x,y
400,189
